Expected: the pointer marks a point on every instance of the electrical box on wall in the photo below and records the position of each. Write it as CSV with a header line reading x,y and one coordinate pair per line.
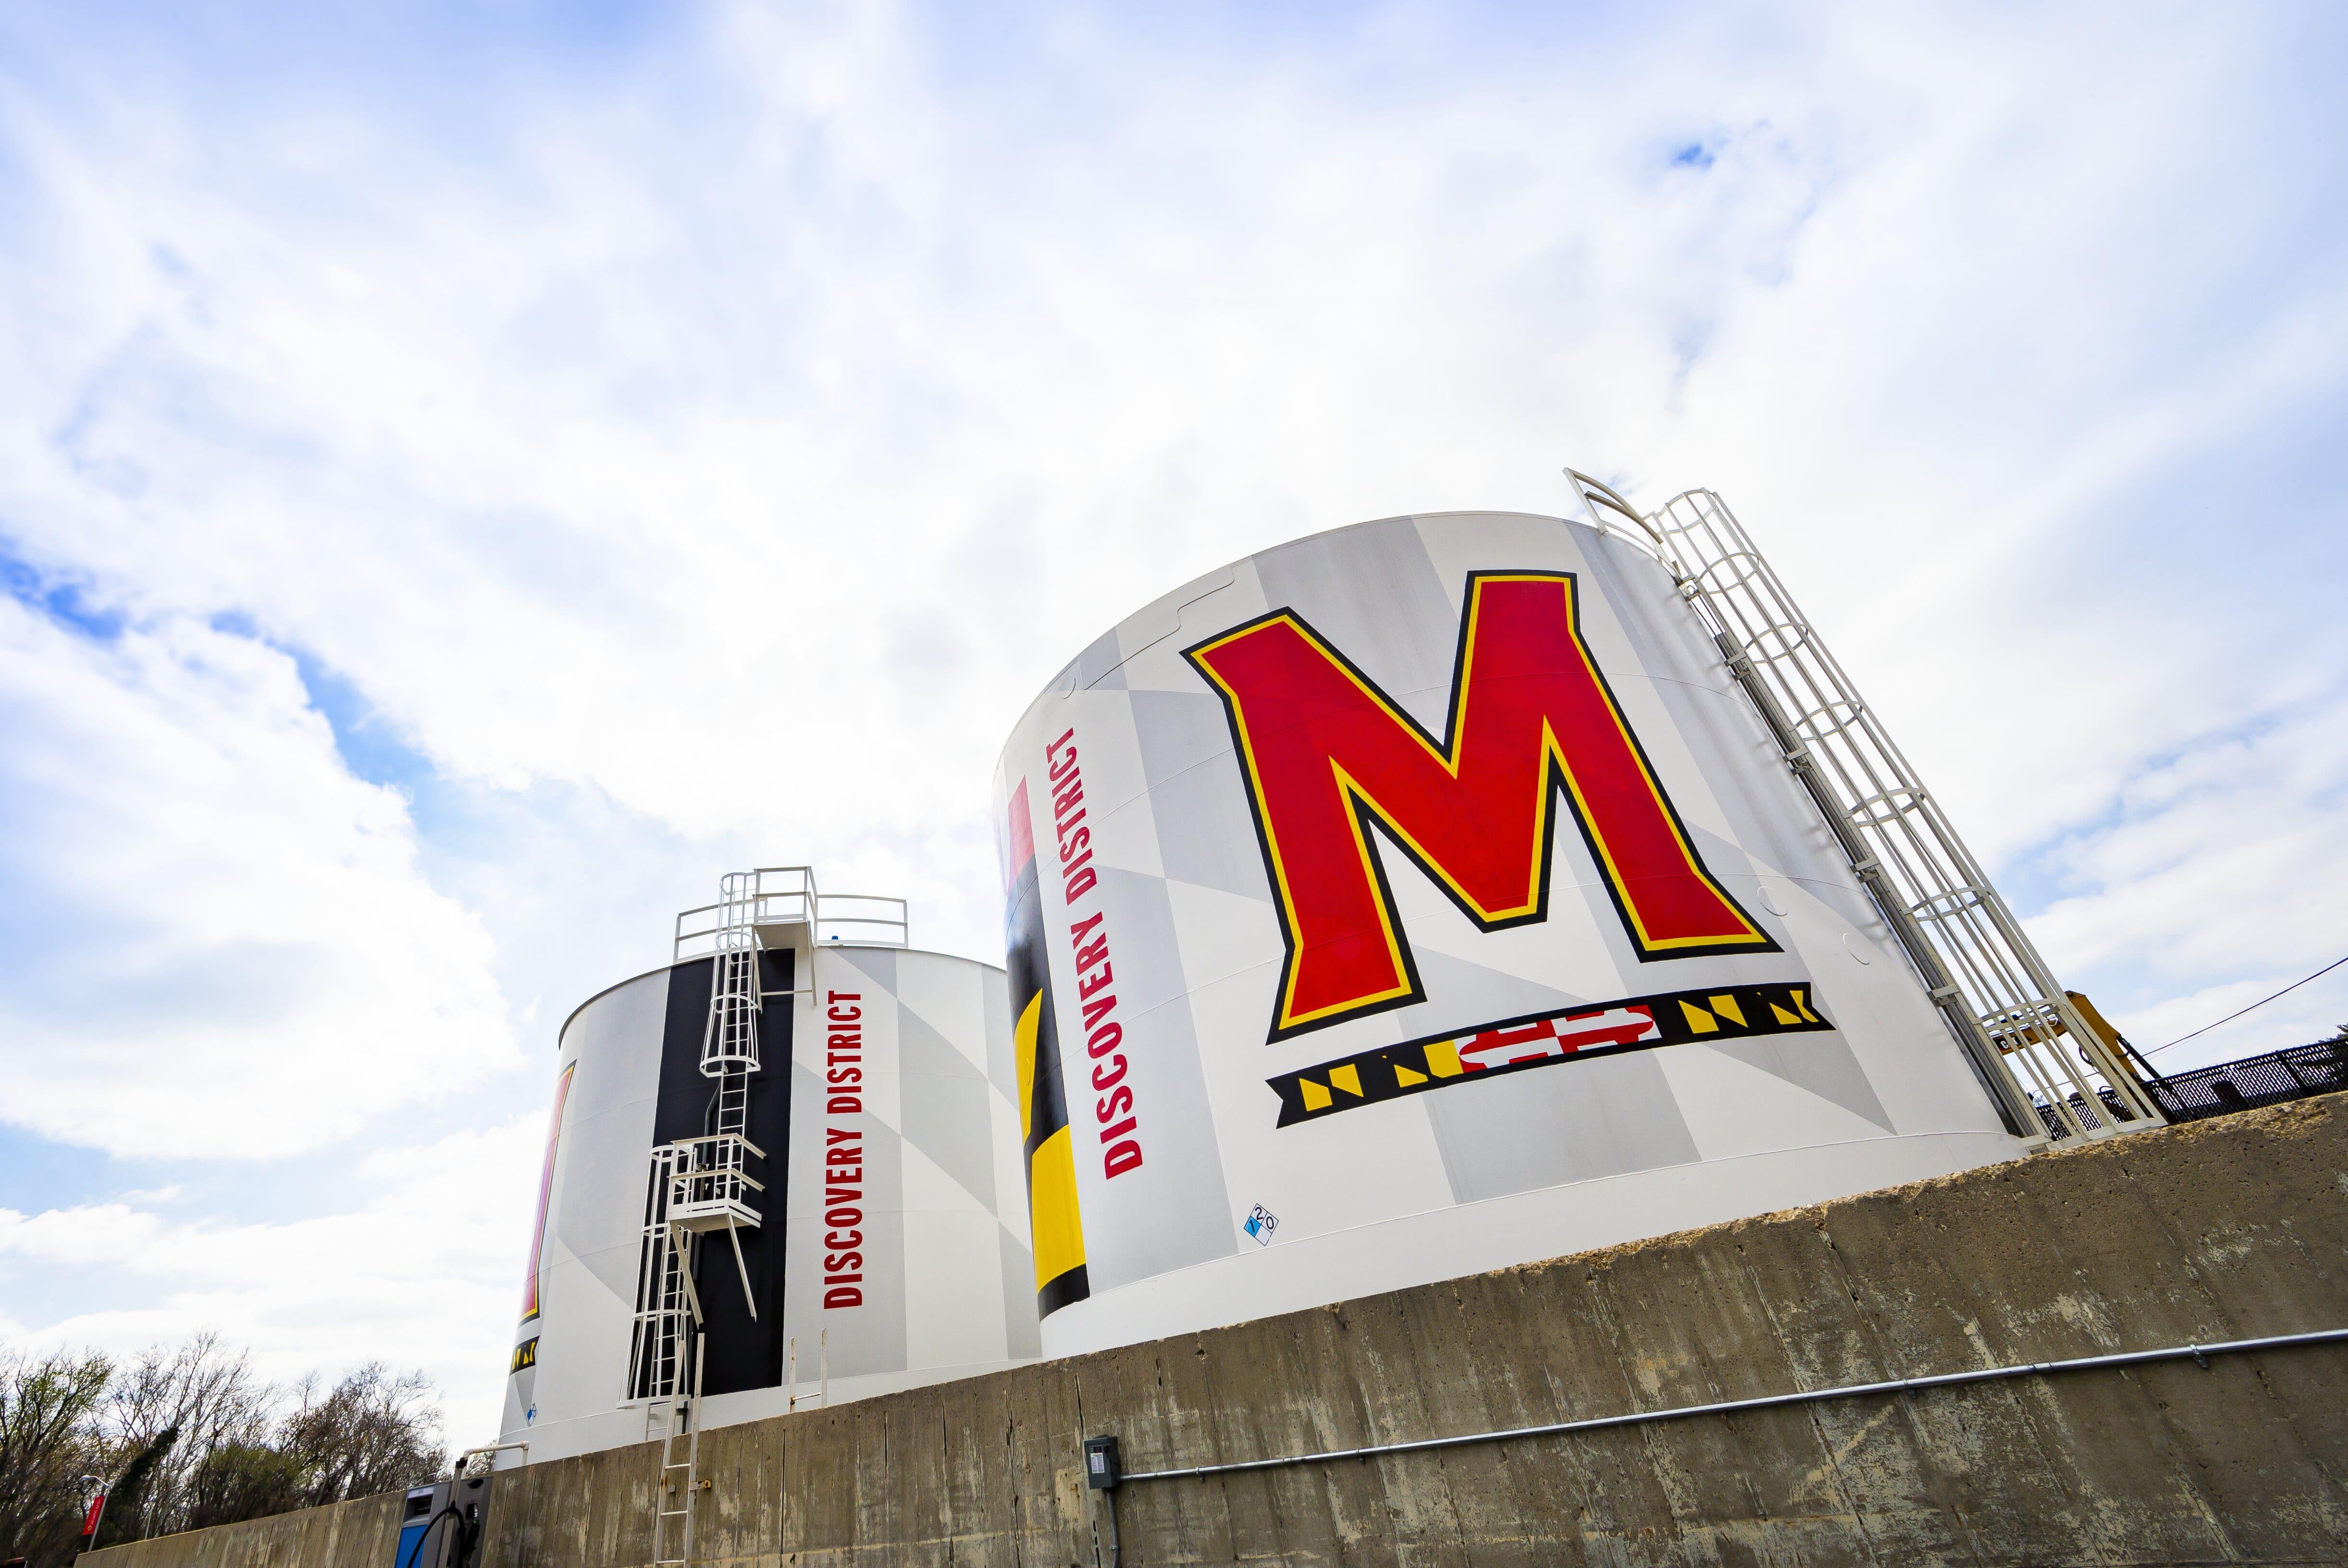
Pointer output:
x,y
1103,1469
441,1525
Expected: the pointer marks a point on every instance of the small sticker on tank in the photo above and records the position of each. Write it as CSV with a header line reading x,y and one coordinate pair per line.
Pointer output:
x,y
1261,1223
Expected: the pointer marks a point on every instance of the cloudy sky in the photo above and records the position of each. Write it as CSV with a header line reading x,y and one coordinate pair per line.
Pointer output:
x,y
469,475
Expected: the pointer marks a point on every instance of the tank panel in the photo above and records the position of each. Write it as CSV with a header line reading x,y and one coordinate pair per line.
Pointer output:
x,y
893,1199
1423,897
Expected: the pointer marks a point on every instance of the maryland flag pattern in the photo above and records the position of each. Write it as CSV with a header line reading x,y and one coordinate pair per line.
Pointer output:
x,y
1545,1039
1055,1227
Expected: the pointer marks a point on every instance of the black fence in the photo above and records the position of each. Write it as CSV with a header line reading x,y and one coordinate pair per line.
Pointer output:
x,y
2107,1112
2198,1093
2253,1081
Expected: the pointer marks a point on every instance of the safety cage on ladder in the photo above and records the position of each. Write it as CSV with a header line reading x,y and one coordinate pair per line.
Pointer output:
x,y
698,1186
2051,1073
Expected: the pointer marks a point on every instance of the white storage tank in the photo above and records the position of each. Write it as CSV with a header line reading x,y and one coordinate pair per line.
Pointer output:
x,y
881,1212
1425,897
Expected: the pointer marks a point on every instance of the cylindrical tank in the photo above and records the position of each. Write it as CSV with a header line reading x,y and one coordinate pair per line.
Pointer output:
x,y
892,1245
1421,898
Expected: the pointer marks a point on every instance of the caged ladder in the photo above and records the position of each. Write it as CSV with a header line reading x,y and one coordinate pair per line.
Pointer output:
x,y
696,1186
2051,1074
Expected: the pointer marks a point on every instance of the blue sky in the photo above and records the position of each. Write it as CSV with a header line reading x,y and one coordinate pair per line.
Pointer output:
x,y
470,475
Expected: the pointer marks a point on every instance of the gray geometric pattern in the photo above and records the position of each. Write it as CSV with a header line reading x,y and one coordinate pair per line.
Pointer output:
x,y
1546,1130
957,1118
1197,948
942,1101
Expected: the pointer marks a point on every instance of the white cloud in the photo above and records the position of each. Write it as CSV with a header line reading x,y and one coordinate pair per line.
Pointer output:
x,y
749,437
221,945
697,452
792,519
427,1273
2214,883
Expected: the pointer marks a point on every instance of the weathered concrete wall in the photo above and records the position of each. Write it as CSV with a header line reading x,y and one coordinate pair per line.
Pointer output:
x,y
2224,1230
362,1530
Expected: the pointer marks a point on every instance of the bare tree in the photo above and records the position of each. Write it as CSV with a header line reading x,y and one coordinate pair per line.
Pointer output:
x,y
373,1433
194,1438
49,1438
205,1389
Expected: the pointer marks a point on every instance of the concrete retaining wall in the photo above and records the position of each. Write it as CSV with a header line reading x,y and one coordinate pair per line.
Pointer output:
x,y
2226,1228
362,1531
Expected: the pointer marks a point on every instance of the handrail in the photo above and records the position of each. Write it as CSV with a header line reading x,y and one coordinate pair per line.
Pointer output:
x,y
1978,965
2199,1353
720,1138
493,1451
1596,492
876,920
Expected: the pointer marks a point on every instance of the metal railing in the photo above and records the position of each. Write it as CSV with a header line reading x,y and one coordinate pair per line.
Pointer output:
x,y
2031,1047
787,895
2276,1077
710,1182
697,1185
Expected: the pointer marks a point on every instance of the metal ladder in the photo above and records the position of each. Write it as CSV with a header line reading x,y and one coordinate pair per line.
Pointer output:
x,y
2053,1075
729,1054
695,1186
664,1291
731,1036
729,1041
674,1413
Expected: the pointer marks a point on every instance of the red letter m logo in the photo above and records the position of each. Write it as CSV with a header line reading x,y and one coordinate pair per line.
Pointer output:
x,y
1326,754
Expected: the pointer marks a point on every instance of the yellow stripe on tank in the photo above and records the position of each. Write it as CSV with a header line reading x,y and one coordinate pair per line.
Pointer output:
x,y
1030,1021
1058,1233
